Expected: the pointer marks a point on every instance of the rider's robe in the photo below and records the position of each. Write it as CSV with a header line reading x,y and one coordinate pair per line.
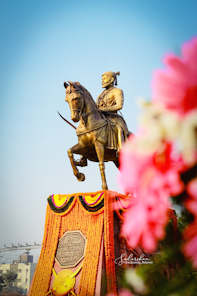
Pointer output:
x,y
105,131
108,98
114,119
110,132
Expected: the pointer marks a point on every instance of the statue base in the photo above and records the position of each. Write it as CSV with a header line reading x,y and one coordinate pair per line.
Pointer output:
x,y
81,245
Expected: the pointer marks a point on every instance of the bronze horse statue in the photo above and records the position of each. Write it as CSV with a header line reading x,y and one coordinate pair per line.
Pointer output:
x,y
92,132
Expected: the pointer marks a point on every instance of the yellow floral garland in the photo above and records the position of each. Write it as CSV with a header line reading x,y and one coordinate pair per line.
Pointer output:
x,y
42,275
109,243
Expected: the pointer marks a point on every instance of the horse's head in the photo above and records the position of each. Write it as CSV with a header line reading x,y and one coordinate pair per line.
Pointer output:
x,y
74,97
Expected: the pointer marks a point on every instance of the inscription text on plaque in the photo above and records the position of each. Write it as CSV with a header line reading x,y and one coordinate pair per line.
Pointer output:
x,y
71,249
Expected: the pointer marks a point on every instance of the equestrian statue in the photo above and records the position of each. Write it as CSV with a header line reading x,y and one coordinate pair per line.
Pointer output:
x,y
101,131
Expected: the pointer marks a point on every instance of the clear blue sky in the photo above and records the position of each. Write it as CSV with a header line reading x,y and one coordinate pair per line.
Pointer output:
x,y
43,44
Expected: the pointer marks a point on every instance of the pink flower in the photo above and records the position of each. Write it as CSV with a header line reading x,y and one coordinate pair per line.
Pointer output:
x,y
153,177
190,247
144,222
176,87
190,233
191,204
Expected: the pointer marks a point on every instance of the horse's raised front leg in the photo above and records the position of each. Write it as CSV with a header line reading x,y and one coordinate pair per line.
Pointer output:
x,y
76,148
100,153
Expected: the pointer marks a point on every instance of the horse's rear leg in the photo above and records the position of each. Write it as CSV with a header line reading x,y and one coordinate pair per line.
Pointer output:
x,y
100,153
80,176
82,162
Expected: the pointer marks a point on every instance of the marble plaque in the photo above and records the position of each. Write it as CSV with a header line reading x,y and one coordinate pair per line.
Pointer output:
x,y
71,249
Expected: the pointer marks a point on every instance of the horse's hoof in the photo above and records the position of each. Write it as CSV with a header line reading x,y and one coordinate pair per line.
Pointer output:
x,y
80,177
104,187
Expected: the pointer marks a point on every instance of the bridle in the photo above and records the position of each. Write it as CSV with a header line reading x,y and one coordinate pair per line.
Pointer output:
x,y
81,106
83,115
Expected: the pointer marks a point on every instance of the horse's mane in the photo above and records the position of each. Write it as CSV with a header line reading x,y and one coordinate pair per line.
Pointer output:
x,y
83,89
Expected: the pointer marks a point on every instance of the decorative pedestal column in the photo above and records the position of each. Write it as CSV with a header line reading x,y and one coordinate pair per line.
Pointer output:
x,y
81,246
78,237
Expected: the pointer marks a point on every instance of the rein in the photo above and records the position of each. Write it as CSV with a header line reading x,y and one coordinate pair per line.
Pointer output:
x,y
82,115
88,113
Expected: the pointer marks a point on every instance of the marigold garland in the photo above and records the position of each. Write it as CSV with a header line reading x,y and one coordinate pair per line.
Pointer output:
x,y
109,243
91,208
56,224
122,208
59,200
64,207
92,228
91,200
42,275
63,203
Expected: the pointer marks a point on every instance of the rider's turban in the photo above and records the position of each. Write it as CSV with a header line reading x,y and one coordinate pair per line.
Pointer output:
x,y
112,74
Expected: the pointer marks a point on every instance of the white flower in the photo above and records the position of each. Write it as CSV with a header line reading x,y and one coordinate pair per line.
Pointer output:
x,y
136,281
188,137
157,125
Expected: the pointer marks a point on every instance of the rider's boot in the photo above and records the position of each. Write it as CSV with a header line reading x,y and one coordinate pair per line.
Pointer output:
x,y
120,140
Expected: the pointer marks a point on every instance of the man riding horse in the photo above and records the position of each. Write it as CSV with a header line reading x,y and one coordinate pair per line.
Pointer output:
x,y
109,102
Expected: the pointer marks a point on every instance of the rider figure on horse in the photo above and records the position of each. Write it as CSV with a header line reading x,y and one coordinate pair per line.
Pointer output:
x,y
112,98
109,102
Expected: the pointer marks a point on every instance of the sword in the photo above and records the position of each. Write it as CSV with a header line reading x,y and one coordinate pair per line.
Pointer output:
x,y
66,120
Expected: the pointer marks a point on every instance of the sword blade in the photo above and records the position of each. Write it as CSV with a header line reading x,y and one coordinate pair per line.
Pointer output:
x,y
66,120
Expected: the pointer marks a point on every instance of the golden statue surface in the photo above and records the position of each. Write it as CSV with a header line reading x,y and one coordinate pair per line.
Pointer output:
x,y
101,131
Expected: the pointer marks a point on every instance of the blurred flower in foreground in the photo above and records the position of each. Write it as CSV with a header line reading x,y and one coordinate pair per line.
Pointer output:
x,y
153,177
150,164
158,124
188,137
136,281
158,164
190,233
176,87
